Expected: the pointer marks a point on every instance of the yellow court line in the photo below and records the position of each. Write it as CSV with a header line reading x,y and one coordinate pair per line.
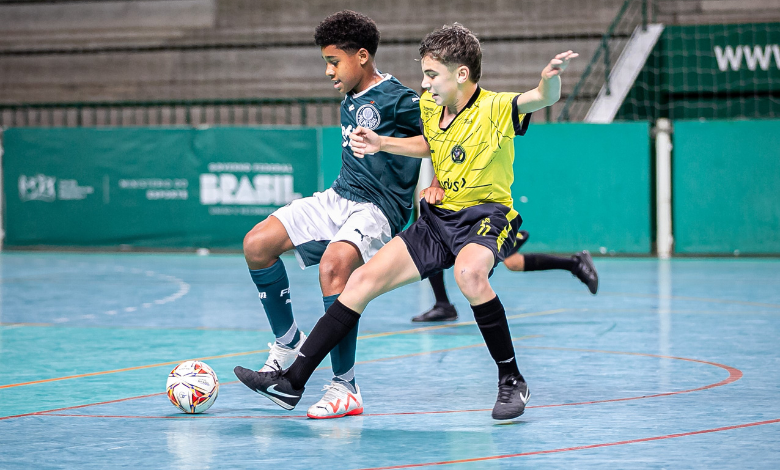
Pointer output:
x,y
108,327
654,296
463,323
696,299
657,310
127,369
424,353
390,358
247,353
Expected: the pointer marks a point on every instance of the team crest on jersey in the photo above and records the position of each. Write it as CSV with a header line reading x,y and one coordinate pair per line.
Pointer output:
x,y
368,116
458,154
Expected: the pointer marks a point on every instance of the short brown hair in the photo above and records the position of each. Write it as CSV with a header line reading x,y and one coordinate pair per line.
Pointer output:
x,y
454,45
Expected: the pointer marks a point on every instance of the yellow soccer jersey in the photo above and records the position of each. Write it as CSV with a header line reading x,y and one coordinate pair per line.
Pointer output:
x,y
473,156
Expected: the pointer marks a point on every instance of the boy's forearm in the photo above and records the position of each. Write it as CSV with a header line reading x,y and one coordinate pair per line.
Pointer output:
x,y
409,146
546,94
550,90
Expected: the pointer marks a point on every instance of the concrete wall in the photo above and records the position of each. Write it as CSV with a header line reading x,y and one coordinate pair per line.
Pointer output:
x,y
36,65
106,50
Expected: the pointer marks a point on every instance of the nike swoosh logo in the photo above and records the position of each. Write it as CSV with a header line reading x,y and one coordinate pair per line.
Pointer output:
x,y
272,390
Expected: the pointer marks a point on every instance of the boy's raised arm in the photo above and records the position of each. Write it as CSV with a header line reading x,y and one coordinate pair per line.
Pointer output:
x,y
549,89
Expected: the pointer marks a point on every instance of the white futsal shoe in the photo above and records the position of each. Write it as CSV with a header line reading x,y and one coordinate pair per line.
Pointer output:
x,y
338,401
281,356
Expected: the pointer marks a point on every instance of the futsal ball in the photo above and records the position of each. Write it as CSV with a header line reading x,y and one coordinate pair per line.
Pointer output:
x,y
192,387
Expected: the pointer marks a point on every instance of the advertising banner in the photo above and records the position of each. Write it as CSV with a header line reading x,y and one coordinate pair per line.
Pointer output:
x,y
151,187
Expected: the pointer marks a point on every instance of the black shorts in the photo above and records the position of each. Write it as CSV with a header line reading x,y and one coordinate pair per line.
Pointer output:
x,y
437,237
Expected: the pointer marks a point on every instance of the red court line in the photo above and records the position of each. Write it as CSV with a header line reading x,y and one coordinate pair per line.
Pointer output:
x,y
206,416
569,449
178,416
404,356
734,375
34,413
247,353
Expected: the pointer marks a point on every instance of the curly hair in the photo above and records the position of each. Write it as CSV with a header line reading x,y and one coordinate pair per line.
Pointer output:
x,y
349,31
454,45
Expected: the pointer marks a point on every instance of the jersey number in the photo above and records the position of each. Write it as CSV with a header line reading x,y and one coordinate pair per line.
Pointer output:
x,y
484,227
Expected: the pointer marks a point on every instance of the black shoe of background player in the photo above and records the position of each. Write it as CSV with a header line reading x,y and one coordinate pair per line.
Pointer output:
x,y
586,271
273,385
513,395
522,237
439,312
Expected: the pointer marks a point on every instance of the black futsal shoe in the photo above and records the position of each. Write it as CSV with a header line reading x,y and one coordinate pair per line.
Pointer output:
x,y
522,237
513,395
586,271
439,312
273,385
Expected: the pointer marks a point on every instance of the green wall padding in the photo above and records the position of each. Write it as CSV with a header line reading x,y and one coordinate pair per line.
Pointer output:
x,y
726,187
577,186
587,186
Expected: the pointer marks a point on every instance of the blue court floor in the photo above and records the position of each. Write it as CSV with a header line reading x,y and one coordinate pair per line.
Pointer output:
x,y
672,365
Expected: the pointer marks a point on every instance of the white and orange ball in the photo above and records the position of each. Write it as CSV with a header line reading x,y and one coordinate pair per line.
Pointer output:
x,y
192,386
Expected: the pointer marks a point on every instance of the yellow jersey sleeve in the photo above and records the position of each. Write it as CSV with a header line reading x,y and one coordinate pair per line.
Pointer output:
x,y
508,118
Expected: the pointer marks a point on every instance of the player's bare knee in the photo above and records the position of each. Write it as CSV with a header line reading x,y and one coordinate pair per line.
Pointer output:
x,y
334,273
471,279
256,248
365,282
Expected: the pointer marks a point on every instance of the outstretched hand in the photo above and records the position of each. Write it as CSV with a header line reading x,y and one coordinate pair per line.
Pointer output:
x,y
558,64
364,142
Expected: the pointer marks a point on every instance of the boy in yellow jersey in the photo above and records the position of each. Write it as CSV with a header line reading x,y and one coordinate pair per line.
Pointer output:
x,y
468,133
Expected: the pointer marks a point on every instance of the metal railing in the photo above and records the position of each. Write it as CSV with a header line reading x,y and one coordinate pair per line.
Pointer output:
x,y
278,111
631,14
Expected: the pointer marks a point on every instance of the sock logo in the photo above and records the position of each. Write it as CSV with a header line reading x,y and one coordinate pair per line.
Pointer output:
x,y
507,361
262,295
284,291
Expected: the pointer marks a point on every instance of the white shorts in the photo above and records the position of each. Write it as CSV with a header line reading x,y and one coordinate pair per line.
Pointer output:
x,y
313,222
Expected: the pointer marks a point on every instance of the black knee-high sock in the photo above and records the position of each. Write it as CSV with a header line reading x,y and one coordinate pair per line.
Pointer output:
x,y
437,283
539,262
337,322
492,323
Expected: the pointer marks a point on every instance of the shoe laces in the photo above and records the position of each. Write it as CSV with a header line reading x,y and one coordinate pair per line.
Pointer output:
x,y
276,369
275,353
505,389
333,392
